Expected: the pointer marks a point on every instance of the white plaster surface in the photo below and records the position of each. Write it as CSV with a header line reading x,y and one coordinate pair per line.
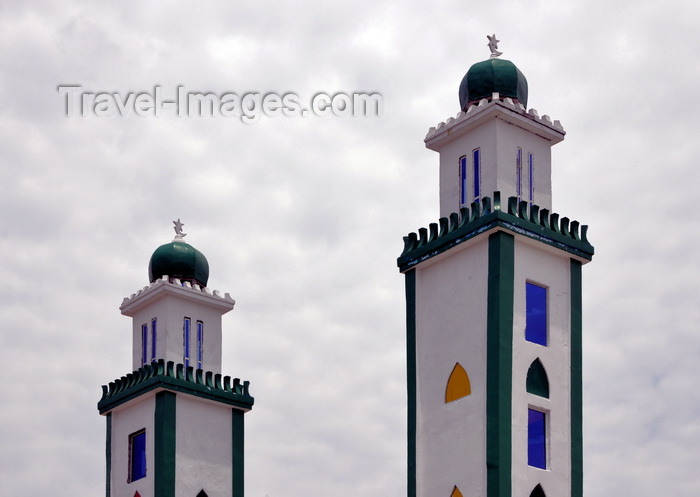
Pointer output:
x,y
450,328
498,131
550,269
170,304
203,444
127,419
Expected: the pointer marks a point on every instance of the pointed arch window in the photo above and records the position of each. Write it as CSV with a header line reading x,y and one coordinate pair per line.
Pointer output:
x,y
202,493
537,382
458,385
186,341
537,491
456,492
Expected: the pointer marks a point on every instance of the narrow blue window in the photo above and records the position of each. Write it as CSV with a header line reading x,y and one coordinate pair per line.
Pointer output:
x,y
154,336
186,340
536,314
463,180
200,344
536,439
531,170
519,173
477,174
137,455
144,344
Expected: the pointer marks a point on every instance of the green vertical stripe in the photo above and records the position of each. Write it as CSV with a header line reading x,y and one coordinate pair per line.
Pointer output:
x,y
411,378
576,380
108,454
499,364
164,441
237,444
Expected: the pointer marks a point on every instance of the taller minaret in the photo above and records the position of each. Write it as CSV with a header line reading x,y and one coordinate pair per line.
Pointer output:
x,y
493,306
175,424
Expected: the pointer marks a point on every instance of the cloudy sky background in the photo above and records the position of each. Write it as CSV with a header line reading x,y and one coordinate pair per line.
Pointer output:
x,y
302,219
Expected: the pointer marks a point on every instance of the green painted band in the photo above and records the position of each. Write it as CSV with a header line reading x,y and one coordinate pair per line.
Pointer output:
x,y
499,364
164,444
108,455
411,378
238,456
576,380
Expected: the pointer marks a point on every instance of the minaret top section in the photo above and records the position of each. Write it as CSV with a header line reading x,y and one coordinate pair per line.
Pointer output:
x,y
493,75
180,260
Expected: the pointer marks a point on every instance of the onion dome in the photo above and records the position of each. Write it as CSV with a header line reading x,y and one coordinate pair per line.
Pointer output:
x,y
179,259
490,76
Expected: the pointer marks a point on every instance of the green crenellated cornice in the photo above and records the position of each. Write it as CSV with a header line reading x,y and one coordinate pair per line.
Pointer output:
x,y
520,218
176,378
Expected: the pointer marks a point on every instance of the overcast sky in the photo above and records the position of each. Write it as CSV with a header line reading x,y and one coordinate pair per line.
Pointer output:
x,y
302,218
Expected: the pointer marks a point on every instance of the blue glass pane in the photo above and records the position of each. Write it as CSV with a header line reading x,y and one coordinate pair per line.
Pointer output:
x,y
186,340
536,314
463,177
536,439
200,343
477,175
154,335
138,456
144,344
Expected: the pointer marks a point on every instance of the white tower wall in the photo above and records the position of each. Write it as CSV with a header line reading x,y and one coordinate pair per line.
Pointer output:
x,y
450,329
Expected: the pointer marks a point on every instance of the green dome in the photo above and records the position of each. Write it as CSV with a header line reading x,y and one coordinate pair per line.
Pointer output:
x,y
492,75
179,260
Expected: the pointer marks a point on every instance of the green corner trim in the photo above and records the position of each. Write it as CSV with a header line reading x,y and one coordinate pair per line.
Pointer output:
x,y
108,455
238,448
177,378
411,378
499,364
576,380
519,218
164,443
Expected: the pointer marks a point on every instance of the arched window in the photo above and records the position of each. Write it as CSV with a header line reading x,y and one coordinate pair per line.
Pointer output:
x,y
458,385
537,382
137,494
456,492
537,491
202,493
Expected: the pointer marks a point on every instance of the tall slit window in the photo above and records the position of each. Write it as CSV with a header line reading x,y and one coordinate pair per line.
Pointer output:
x,y
536,439
519,173
154,336
476,154
144,344
536,314
463,180
531,172
200,344
186,340
137,455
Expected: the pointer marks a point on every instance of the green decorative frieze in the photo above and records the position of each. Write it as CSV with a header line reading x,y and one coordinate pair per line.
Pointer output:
x,y
177,378
519,217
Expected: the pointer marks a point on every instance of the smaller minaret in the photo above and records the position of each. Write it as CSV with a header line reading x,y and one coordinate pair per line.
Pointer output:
x,y
175,425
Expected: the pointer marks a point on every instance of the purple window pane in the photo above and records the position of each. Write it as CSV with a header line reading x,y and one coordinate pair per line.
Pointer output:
x,y
200,343
186,340
154,335
477,175
144,344
536,439
536,314
138,456
463,178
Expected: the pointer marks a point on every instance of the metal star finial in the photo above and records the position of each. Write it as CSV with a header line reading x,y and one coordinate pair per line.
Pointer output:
x,y
493,45
178,229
